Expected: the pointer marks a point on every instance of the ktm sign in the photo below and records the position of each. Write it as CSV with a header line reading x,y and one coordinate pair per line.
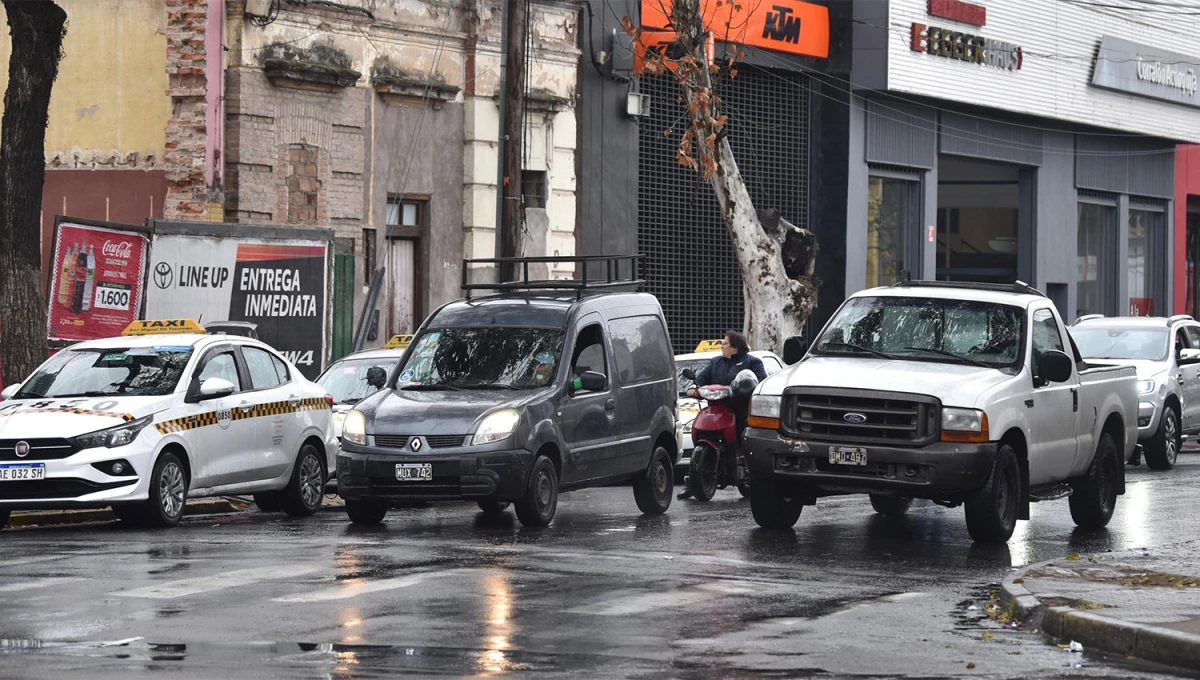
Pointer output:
x,y
781,25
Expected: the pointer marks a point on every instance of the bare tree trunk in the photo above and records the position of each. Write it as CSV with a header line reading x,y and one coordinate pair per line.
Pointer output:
x,y
513,136
37,28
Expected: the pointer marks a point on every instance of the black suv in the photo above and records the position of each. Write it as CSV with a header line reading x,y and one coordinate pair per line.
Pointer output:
x,y
512,397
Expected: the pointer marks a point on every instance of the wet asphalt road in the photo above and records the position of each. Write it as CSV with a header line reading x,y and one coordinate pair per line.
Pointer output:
x,y
603,592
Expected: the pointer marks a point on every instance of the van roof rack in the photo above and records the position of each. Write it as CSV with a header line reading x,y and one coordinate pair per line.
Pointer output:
x,y
1017,287
1179,317
616,274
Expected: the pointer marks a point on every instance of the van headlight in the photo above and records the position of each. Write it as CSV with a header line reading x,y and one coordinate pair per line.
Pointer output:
x,y
121,435
354,429
496,426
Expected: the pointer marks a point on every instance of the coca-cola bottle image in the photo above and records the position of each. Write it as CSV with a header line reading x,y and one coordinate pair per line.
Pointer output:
x,y
64,275
79,281
89,286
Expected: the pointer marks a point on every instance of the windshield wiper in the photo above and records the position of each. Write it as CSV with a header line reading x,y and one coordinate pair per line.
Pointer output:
x,y
488,386
859,348
93,393
432,388
952,355
349,402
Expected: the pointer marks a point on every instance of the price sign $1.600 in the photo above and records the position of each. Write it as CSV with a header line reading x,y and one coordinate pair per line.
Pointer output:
x,y
110,296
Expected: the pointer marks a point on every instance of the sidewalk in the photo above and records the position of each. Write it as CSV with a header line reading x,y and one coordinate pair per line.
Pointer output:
x,y
200,506
1137,603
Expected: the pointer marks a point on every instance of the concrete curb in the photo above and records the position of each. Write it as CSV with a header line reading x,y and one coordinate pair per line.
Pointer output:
x,y
44,518
1148,642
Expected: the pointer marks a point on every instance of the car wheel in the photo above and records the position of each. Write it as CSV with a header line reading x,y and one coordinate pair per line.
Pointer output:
x,y
366,511
1163,449
168,493
537,507
992,511
1095,493
493,507
268,501
303,494
4,515
891,506
775,505
654,490
702,473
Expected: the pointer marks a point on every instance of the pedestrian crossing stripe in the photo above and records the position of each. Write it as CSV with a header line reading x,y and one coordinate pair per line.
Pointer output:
x,y
127,417
275,408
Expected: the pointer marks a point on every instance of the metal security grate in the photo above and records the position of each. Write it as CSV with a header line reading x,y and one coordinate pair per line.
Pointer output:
x,y
690,263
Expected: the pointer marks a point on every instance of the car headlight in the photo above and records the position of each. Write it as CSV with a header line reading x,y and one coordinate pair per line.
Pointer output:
x,y
964,425
496,426
354,428
121,435
1146,386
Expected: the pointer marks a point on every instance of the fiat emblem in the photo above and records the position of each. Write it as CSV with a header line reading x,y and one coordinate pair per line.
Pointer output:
x,y
854,418
22,449
416,444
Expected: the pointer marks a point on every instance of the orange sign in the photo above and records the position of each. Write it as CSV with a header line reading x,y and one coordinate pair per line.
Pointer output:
x,y
788,26
661,42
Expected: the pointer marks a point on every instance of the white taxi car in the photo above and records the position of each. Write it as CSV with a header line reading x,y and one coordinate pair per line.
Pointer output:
x,y
689,407
143,421
350,379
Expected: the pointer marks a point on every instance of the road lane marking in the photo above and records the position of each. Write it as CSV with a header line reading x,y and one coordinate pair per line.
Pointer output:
x,y
29,560
637,604
38,583
206,584
356,587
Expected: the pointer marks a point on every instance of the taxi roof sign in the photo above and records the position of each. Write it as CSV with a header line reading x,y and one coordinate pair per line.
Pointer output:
x,y
709,346
398,342
163,327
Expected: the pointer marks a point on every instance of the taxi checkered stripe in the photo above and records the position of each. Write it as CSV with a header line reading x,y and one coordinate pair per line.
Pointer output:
x,y
127,417
274,408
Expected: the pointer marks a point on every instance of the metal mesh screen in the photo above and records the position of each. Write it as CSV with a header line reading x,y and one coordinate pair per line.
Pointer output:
x,y
690,262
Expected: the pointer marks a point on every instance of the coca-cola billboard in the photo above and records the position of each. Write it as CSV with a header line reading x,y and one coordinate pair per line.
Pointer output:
x,y
96,283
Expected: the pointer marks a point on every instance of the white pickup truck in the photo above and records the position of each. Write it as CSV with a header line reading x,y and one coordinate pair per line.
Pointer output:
x,y
964,394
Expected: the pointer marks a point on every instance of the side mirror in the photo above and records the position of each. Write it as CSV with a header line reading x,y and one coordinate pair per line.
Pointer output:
x,y
1055,366
590,381
216,387
689,374
1186,356
9,391
794,349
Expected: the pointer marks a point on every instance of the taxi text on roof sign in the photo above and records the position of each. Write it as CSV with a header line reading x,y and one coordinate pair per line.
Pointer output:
x,y
162,326
398,342
708,346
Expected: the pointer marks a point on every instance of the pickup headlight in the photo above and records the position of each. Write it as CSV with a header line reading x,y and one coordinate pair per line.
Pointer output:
x,y
496,426
764,411
964,425
121,435
1146,386
354,429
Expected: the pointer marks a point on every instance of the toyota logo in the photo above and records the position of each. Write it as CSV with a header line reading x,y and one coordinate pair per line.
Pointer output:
x,y
416,444
22,449
854,418
163,275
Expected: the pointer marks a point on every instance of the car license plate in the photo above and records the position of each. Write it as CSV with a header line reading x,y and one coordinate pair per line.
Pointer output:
x,y
846,455
22,472
414,472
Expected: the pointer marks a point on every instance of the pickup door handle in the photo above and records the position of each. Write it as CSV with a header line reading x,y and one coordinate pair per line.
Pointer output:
x,y
1075,399
610,405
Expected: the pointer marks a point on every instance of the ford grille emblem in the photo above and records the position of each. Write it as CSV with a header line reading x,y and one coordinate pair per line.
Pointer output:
x,y
854,418
22,449
416,444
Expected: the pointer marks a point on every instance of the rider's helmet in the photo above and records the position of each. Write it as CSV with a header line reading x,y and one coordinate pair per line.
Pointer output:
x,y
743,384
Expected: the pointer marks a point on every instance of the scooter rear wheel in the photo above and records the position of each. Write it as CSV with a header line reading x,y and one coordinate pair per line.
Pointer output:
x,y
702,473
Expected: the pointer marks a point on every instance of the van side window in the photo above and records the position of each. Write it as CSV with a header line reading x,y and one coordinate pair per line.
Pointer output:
x,y
1046,336
640,349
589,352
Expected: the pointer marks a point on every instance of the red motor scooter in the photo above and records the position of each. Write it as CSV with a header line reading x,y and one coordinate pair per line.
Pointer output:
x,y
718,458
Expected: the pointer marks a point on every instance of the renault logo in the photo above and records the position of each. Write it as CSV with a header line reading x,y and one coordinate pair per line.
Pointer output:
x,y
854,418
22,449
415,444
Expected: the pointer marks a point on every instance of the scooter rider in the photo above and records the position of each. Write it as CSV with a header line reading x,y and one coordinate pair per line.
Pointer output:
x,y
735,358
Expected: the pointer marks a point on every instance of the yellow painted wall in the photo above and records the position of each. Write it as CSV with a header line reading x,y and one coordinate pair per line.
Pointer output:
x,y
112,81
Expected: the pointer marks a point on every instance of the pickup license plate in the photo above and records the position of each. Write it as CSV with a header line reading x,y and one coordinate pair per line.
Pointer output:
x,y
414,472
22,472
846,455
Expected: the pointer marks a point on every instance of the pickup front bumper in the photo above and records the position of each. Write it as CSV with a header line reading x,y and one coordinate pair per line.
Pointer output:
x,y
939,471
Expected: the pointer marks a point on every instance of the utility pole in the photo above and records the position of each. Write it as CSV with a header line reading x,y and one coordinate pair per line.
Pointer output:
x,y
512,134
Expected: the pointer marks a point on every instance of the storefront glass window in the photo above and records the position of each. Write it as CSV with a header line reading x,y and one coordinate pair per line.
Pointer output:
x,y
1145,236
890,204
1095,291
